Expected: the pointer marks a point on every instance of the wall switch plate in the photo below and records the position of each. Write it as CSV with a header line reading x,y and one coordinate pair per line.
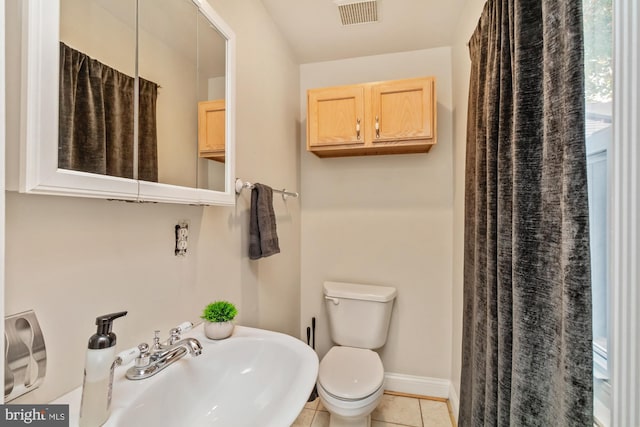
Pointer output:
x,y
182,238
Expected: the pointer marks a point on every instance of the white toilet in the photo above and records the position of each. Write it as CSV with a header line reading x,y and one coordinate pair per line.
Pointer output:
x,y
351,375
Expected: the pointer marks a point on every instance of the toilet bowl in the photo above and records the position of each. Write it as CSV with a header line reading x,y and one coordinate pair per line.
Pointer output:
x,y
350,385
351,375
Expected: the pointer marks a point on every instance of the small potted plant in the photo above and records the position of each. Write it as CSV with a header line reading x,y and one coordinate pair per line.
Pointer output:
x,y
218,316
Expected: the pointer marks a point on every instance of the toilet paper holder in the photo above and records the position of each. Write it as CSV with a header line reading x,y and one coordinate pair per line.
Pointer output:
x,y
25,362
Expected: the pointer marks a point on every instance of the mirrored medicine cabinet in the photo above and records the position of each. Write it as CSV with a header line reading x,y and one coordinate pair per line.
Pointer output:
x,y
128,99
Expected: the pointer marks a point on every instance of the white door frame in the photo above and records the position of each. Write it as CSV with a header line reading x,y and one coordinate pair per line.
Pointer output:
x,y
2,185
624,209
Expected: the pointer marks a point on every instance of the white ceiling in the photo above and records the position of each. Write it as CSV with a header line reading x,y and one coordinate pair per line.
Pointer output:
x,y
315,33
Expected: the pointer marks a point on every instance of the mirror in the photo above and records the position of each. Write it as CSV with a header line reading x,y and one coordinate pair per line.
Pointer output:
x,y
159,146
211,106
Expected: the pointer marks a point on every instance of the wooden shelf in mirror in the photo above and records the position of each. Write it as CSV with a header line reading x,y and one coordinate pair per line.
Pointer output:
x,y
211,130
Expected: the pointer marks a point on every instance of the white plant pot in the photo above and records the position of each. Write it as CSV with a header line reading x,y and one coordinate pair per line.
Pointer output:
x,y
218,330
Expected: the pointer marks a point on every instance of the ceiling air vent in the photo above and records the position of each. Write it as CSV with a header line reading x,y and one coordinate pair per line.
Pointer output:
x,y
357,12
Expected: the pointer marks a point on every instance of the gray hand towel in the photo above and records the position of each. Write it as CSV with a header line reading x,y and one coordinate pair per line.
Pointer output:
x,y
263,236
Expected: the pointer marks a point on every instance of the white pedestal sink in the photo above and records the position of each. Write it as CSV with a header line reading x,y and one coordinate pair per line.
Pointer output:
x,y
253,378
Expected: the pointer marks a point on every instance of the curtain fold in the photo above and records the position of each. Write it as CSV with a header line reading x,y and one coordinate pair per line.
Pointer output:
x,y
96,119
527,343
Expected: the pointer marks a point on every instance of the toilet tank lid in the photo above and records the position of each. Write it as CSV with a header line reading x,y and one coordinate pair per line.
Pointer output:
x,y
359,291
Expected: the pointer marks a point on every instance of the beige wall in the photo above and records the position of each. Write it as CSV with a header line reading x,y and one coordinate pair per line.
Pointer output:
x,y
267,151
384,220
73,259
461,69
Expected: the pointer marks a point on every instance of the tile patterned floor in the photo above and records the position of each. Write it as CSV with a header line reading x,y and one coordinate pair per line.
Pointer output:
x,y
393,411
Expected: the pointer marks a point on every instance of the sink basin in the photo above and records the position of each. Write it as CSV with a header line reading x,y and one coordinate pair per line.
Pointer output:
x,y
253,378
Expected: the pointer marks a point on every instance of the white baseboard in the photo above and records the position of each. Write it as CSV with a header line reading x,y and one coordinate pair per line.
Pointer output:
x,y
454,401
423,386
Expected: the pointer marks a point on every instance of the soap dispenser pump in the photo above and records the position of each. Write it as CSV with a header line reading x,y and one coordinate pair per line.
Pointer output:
x,y
98,373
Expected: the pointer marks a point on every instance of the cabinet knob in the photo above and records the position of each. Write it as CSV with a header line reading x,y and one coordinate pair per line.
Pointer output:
x,y
377,127
358,128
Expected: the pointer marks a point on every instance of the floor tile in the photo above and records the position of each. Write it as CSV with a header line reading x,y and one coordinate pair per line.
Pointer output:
x,y
398,410
434,413
304,419
321,419
384,424
393,411
313,404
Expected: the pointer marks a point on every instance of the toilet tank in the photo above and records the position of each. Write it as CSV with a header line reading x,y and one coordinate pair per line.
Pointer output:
x,y
359,315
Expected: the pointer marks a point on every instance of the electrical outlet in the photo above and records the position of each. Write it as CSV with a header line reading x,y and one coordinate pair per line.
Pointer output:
x,y
182,238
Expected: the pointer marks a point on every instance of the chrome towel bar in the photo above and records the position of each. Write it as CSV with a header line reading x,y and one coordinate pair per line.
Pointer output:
x,y
240,185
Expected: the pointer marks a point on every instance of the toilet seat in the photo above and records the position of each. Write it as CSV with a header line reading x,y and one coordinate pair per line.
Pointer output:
x,y
349,373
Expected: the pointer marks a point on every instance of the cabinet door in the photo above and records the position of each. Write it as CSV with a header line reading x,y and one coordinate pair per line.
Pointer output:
x,y
403,110
211,129
335,116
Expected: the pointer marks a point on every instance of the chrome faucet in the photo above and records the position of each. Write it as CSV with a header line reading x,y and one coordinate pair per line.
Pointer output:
x,y
151,361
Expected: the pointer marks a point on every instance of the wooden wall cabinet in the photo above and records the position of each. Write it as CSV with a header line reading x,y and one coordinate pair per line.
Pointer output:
x,y
211,129
391,117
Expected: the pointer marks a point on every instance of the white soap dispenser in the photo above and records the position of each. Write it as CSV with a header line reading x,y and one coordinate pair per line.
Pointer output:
x,y
98,373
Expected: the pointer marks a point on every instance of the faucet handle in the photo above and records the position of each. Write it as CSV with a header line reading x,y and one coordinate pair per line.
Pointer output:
x,y
185,326
144,358
125,357
156,339
144,349
175,336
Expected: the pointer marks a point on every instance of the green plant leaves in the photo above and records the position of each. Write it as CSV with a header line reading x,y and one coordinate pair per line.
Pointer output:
x,y
219,311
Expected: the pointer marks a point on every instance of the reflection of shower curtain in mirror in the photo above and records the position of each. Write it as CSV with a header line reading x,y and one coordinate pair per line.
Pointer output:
x,y
96,125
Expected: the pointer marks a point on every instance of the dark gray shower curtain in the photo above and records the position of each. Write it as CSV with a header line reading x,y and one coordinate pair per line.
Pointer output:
x,y
527,344
96,125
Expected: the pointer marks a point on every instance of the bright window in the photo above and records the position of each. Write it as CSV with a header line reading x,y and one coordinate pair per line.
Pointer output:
x,y
598,40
